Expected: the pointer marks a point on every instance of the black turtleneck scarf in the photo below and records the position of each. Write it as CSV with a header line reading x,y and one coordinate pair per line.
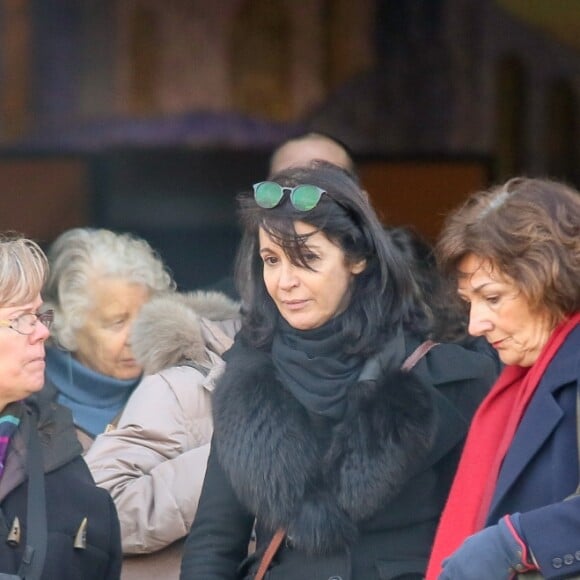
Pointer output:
x,y
313,366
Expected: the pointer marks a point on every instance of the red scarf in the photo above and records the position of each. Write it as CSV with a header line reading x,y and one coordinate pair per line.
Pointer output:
x,y
488,440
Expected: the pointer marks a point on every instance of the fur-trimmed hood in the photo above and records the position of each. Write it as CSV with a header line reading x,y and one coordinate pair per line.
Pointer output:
x,y
179,327
268,447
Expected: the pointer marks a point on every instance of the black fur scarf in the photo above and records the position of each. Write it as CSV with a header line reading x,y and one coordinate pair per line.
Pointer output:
x,y
266,445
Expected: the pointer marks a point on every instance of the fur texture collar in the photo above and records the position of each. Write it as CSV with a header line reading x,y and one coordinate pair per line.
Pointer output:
x,y
267,444
175,327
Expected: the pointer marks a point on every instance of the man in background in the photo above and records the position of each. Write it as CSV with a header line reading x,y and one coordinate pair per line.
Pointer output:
x,y
301,150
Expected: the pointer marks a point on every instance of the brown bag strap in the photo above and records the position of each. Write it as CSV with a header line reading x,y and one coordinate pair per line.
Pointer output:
x,y
418,354
269,554
278,537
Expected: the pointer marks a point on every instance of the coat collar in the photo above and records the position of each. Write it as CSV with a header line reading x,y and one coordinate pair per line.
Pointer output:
x,y
543,415
57,438
94,398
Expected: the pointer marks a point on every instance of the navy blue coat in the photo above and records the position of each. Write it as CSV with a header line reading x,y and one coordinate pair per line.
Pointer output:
x,y
541,468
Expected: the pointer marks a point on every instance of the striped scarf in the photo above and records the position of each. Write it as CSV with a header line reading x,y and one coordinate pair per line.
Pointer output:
x,y
9,421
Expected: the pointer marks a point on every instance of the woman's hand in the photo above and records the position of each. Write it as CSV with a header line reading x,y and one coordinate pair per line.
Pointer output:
x,y
496,552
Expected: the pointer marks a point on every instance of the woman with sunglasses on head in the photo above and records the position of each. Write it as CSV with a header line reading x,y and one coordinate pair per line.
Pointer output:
x,y
54,521
321,440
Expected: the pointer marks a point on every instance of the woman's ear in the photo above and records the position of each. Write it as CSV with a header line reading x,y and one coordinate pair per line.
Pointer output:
x,y
358,267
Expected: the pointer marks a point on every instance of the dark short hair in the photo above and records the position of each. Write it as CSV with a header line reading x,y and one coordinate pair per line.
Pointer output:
x,y
324,137
381,293
530,230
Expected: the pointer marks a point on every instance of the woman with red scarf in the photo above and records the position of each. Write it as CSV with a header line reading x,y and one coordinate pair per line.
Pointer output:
x,y
514,253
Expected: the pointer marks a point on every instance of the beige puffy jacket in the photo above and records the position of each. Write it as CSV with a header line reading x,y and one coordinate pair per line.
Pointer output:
x,y
153,462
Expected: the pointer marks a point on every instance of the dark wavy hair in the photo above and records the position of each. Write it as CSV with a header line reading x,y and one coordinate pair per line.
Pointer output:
x,y
381,294
436,303
530,230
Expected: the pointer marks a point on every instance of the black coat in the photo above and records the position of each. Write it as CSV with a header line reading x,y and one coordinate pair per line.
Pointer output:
x,y
71,495
364,508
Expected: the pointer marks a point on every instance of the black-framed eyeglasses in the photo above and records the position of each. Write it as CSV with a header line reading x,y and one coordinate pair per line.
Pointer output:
x,y
26,323
269,194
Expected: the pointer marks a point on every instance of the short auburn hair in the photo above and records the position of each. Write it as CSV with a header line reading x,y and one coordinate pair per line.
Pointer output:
x,y
530,230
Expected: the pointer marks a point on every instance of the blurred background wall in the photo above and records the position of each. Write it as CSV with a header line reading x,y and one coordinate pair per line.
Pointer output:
x,y
150,116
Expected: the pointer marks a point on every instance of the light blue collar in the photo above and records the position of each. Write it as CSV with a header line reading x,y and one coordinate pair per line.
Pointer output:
x,y
94,399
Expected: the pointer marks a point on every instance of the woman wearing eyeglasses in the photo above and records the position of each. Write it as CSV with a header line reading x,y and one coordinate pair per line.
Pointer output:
x,y
320,438
54,521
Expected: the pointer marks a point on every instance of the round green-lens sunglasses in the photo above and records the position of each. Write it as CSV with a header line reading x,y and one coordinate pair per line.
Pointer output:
x,y
269,194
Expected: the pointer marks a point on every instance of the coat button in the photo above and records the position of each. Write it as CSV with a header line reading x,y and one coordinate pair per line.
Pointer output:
x,y
557,562
577,555
568,559
335,578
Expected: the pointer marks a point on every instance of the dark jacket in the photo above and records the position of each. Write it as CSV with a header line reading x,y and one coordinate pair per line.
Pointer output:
x,y
71,495
541,468
360,500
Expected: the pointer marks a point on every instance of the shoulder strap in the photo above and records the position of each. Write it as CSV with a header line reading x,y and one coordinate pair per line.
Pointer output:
x,y
36,535
417,354
270,553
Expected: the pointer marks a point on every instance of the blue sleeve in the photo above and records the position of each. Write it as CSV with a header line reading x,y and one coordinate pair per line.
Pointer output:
x,y
553,535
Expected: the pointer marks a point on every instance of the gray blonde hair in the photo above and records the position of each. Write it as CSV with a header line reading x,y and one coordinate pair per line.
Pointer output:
x,y
23,270
79,254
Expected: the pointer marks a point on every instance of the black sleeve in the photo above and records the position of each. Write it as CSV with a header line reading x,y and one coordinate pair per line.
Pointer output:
x,y
463,376
111,528
116,551
218,541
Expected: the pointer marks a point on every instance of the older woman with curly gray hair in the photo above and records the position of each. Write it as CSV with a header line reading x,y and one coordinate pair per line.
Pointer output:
x,y
98,282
